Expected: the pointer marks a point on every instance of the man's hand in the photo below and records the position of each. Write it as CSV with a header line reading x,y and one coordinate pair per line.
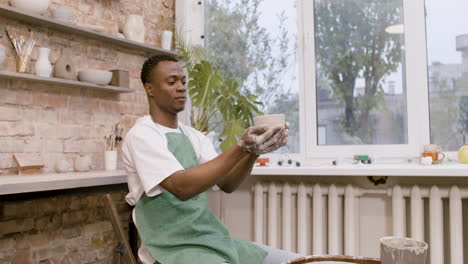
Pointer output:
x,y
260,140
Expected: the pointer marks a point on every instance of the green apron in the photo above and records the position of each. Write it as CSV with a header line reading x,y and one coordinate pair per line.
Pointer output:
x,y
180,232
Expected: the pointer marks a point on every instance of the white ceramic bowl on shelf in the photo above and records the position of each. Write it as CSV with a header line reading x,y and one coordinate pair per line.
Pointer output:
x,y
32,6
64,14
95,76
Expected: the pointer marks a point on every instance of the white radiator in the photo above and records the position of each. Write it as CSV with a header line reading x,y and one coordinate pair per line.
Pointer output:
x,y
281,206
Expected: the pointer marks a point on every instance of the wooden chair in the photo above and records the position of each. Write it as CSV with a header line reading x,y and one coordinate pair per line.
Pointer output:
x,y
127,251
357,260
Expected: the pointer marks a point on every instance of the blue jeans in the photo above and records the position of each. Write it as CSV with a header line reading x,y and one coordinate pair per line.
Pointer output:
x,y
277,256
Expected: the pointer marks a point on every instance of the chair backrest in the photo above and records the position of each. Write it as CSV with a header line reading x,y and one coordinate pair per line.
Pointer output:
x,y
350,259
116,221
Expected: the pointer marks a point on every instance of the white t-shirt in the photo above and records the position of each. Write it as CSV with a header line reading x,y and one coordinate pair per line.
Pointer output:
x,y
148,160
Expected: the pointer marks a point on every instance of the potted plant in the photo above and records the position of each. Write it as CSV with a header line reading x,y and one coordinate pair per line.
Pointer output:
x,y
217,103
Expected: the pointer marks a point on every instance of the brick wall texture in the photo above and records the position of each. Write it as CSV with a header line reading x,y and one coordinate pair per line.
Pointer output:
x,y
60,122
68,229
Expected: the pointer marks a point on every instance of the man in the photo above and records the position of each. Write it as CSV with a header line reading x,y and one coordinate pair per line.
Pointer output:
x,y
171,165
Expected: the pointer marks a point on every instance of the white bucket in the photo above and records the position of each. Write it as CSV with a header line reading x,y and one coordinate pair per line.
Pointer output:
x,y
401,250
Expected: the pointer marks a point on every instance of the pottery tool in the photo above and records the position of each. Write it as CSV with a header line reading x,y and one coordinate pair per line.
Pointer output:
x,y
114,138
22,47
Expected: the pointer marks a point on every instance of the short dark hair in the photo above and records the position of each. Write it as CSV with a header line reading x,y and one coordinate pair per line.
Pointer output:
x,y
151,63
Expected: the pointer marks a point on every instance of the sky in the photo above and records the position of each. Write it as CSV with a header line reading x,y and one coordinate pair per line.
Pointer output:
x,y
446,19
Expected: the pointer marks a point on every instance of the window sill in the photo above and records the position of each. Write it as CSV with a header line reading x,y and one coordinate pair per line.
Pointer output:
x,y
448,170
11,184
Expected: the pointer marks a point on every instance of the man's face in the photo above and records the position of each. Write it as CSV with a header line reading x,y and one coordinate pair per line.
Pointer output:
x,y
168,88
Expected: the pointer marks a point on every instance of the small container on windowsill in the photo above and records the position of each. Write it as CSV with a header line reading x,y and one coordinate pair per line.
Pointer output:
x,y
262,162
110,160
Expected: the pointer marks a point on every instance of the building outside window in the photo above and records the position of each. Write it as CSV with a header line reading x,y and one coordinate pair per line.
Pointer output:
x,y
447,58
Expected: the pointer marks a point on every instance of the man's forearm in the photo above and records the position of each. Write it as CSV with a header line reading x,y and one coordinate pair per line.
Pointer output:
x,y
237,175
188,183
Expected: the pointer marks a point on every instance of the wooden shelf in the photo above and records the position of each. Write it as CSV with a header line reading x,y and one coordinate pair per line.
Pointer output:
x,y
11,184
62,82
38,20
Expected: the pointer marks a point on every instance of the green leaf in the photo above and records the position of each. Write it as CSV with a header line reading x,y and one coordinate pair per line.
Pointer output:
x,y
231,133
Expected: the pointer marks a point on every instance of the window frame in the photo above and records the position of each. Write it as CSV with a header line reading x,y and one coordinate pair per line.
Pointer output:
x,y
190,21
416,83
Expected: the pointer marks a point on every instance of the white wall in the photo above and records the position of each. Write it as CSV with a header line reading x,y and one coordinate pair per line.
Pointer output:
x,y
374,210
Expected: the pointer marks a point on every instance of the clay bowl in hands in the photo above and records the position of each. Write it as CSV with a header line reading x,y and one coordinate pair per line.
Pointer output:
x,y
95,76
269,120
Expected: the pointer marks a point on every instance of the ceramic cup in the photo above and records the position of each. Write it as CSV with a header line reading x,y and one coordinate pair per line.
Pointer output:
x,y
432,148
434,155
402,250
110,159
269,120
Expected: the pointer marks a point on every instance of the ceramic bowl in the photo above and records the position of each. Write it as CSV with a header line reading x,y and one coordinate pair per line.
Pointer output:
x,y
63,14
2,54
33,6
95,76
269,120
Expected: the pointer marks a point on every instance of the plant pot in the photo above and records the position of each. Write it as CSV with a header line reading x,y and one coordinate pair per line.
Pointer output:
x,y
166,39
134,28
32,6
110,159
43,66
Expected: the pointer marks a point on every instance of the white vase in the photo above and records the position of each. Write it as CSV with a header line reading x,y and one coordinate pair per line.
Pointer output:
x,y
82,163
43,66
33,6
166,39
134,28
2,54
110,159
62,165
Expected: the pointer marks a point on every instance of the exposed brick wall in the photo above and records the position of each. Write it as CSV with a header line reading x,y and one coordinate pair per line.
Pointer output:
x,y
60,122
68,227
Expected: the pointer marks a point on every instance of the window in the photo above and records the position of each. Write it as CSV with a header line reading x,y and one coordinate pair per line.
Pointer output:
x,y
360,85
364,78
353,76
447,53
256,45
